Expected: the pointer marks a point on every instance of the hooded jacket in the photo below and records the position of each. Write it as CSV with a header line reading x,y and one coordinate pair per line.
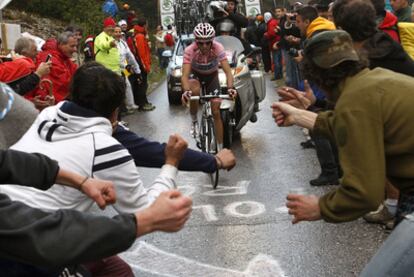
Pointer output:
x,y
142,47
81,141
17,69
318,25
384,52
60,74
389,26
271,35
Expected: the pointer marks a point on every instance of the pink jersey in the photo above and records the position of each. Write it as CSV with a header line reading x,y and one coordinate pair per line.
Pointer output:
x,y
204,64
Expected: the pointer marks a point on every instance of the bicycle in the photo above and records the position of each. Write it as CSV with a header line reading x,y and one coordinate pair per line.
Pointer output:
x,y
207,141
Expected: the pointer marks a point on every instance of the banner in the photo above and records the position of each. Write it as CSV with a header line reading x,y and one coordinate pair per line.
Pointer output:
x,y
252,8
3,3
167,12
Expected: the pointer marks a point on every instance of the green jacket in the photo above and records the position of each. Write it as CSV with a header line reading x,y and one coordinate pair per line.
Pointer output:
x,y
372,125
105,54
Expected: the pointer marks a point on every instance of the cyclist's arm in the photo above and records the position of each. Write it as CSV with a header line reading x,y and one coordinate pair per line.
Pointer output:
x,y
227,70
185,78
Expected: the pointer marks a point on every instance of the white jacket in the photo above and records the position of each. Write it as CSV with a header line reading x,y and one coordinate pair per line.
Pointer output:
x,y
82,142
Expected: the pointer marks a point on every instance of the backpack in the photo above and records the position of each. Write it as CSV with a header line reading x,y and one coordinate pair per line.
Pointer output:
x,y
169,40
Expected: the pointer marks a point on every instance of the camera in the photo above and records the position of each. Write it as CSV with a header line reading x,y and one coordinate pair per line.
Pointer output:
x,y
292,17
293,52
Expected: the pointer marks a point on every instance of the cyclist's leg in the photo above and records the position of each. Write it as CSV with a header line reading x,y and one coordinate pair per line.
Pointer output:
x,y
212,85
195,88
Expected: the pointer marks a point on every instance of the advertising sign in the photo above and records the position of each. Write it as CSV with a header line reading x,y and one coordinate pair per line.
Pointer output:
x,y
167,12
252,7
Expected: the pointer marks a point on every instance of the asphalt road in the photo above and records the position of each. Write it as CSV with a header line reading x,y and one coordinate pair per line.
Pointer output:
x,y
242,228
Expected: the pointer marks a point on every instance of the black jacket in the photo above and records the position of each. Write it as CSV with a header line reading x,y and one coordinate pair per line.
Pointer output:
x,y
65,237
239,20
384,52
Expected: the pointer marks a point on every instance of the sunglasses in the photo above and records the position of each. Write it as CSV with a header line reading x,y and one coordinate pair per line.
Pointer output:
x,y
204,42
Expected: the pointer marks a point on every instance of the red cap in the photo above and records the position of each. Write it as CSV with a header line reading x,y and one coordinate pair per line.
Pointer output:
x,y
109,22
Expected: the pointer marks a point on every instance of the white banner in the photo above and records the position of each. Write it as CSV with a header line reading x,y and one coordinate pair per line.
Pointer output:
x,y
3,3
252,7
167,12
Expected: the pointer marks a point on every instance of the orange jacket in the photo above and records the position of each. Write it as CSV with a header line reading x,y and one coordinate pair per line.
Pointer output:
x,y
142,47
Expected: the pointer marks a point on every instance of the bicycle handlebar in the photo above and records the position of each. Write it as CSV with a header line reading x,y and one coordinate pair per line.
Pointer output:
x,y
209,97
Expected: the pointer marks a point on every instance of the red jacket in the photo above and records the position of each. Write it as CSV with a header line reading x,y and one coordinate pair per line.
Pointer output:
x,y
17,69
389,26
61,73
271,34
141,44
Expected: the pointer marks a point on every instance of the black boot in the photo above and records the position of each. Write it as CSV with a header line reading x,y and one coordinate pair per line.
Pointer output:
x,y
325,180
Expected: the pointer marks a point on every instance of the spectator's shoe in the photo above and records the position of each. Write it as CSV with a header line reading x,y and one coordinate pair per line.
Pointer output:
x,y
194,130
147,107
324,180
307,144
380,216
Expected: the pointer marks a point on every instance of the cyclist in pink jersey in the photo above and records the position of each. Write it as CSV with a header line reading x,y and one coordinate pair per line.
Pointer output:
x,y
202,59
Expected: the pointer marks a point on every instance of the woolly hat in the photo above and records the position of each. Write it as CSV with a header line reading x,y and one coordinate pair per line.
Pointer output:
x,y
122,22
109,22
267,16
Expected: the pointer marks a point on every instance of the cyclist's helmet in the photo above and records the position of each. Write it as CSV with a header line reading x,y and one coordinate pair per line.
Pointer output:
x,y
204,32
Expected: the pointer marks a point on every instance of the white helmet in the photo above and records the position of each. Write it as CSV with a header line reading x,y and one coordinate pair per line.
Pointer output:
x,y
204,31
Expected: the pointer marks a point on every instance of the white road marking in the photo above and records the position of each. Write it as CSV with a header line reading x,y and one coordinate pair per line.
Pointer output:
x,y
255,209
282,210
209,212
148,258
239,189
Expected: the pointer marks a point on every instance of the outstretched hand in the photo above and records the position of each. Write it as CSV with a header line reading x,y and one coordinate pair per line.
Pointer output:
x,y
102,192
303,207
284,114
169,212
175,149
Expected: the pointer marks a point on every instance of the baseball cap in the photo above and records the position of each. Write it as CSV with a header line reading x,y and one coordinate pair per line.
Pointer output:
x,y
330,48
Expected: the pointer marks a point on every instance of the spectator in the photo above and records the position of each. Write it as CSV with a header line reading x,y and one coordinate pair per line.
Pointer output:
x,y
142,52
386,21
402,10
106,50
129,68
61,51
261,30
78,56
84,144
290,45
160,45
230,12
358,19
273,39
34,230
21,73
310,23
370,147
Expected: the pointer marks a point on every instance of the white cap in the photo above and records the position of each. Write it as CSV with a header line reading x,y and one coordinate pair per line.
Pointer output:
x,y
122,22
267,16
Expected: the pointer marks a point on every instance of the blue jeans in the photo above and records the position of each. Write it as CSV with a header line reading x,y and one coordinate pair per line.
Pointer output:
x,y
277,61
396,255
293,77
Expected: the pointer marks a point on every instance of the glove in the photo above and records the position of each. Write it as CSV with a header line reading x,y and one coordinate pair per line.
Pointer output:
x,y
185,97
232,92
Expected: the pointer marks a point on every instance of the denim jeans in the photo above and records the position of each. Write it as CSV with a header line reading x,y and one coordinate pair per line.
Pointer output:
x,y
277,63
293,77
396,256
